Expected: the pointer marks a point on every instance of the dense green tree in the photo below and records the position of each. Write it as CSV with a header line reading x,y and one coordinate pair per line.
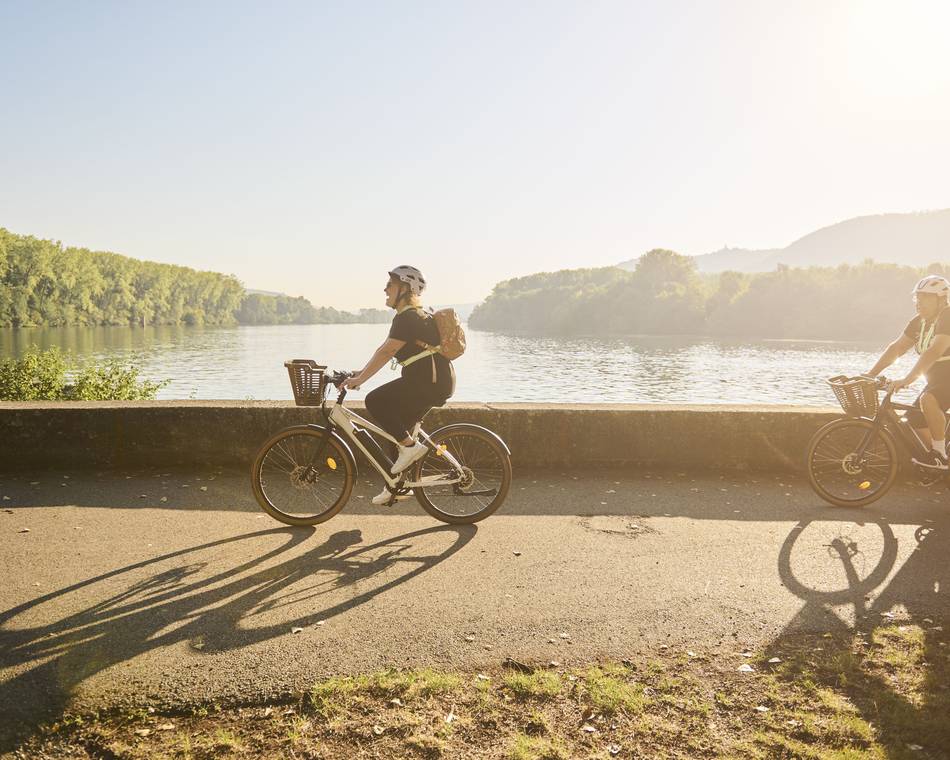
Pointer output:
x,y
664,295
43,283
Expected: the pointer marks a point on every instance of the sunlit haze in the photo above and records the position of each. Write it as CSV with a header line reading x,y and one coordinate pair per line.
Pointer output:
x,y
307,148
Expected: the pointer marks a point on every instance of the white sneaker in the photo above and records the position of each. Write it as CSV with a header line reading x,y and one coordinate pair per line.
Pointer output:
x,y
408,455
384,496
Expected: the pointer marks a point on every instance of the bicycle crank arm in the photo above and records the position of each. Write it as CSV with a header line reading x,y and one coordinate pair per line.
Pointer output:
x,y
486,492
434,480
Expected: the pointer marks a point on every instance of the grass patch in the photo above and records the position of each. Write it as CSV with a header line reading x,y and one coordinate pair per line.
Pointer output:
x,y
541,684
537,748
408,684
332,697
226,741
841,698
538,724
427,746
609,694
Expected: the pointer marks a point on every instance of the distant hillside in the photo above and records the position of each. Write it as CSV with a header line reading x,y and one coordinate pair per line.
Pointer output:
x,y
913,240
46,284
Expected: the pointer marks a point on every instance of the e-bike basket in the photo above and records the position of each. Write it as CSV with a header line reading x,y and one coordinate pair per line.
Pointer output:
x,y
857,396
308,381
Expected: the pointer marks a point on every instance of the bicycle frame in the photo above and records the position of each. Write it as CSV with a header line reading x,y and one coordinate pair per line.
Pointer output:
x,y
344,420
899,428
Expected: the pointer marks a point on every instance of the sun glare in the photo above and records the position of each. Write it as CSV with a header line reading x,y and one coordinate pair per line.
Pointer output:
x,y
898,49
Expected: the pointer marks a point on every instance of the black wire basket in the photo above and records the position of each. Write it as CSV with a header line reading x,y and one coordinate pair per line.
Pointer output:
x,y
308,380
857,396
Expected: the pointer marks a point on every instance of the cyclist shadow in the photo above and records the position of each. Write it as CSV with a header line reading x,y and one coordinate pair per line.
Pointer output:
x,y
180,603
916,595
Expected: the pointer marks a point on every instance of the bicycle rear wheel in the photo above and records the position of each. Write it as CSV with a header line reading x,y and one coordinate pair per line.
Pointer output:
x,y
485,463
841,477
295,487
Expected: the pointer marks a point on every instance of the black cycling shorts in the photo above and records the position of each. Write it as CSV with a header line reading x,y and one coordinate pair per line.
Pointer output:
x,y
941,392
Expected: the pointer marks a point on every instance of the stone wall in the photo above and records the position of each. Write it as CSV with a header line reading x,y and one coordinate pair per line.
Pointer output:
x,y
184,433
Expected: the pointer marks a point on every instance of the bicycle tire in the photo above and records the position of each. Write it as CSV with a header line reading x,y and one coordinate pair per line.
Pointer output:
x,y
488,461
827,463
276,479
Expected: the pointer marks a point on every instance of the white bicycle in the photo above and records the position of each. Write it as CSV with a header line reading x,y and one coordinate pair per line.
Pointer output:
x,y
304,474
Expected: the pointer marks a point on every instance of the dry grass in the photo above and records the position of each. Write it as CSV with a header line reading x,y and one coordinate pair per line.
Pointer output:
x,y
876,696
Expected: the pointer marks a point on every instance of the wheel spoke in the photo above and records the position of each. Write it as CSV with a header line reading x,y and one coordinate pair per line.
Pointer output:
x,y
482,460
282,477
836,450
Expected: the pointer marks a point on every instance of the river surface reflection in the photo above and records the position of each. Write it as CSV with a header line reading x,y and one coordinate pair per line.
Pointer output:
x,y
247,362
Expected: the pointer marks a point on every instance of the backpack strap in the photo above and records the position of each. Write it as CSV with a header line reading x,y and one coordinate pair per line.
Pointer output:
x,y
427,350
430,351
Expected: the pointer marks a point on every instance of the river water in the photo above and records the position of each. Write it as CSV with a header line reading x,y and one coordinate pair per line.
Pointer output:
x,y
247,363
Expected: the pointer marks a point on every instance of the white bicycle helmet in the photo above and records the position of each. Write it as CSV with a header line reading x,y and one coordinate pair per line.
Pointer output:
x,y
411,276
933,283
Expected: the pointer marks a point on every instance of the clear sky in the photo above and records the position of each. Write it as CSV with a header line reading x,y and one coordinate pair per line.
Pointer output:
x,y
308,147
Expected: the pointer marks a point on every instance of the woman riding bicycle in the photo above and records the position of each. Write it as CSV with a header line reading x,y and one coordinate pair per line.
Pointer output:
x,y
929,334
427,379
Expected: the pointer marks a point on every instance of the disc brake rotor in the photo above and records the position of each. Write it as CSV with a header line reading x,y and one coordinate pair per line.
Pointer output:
x,y
852,465
301,477
468,477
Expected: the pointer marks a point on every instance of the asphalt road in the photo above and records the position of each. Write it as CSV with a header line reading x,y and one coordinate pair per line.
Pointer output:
x,y
146,588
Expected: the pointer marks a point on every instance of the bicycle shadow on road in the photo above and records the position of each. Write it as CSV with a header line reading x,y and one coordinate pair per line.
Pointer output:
x,y
173,598
861,600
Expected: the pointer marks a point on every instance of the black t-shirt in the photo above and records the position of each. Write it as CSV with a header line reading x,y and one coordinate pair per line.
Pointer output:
x,y
939,372
412,325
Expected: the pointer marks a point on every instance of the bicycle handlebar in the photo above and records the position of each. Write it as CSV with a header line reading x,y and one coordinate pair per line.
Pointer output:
x,y
880,381
338,377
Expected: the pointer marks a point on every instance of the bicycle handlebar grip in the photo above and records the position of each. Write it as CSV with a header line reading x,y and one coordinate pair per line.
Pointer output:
x,y
338,377
880,381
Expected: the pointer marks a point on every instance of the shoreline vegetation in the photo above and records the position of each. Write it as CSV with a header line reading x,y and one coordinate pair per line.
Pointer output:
x,y
46,284
54,375
666,295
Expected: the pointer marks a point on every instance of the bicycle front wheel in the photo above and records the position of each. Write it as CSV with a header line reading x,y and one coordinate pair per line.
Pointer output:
x,y
486,474
292,484
842,477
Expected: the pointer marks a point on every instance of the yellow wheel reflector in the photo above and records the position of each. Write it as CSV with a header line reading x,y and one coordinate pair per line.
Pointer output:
x,y
865,485
440,450
331,463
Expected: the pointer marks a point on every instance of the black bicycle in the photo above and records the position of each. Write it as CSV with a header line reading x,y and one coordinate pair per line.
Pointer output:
x,y
853,461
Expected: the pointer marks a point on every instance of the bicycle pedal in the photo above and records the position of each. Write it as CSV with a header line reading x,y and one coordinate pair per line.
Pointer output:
x,y
394,495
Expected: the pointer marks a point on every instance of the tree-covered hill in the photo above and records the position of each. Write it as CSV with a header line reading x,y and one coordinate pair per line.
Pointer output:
x,y
665,295
915,239
44,283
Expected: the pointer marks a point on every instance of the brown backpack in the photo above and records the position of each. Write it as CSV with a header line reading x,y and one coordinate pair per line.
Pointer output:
x,y
451,335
